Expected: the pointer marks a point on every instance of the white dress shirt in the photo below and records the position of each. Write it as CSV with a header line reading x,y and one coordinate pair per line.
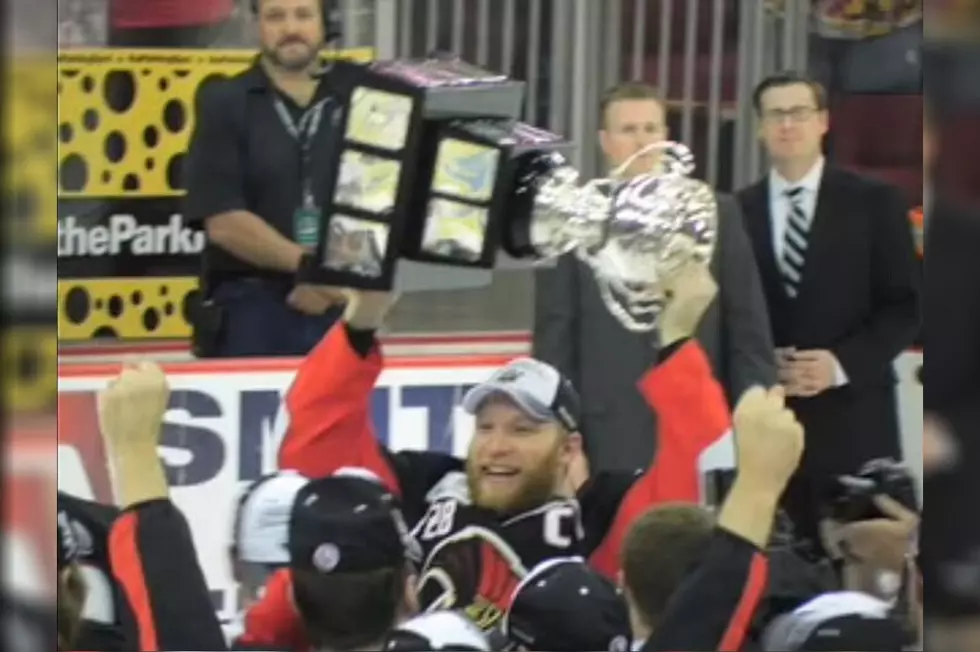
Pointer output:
x,y
780,208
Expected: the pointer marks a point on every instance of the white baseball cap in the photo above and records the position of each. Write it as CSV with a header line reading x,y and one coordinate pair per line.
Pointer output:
x,y
843,620
538,389
261,533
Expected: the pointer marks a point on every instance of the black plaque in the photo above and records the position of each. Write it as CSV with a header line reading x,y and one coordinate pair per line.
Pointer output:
x,y
462,218
407,126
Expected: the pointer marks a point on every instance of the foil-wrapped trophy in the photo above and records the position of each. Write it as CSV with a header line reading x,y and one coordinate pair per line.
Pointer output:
x,y
633,233
434,166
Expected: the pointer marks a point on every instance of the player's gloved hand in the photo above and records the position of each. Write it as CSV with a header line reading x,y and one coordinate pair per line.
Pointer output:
x,y
689,294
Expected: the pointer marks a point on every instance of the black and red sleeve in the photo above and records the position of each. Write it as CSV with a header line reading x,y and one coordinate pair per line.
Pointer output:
x,y
713,609
329,409
153,558
692,416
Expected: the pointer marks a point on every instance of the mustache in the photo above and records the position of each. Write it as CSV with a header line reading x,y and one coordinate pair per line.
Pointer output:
x,y
292,39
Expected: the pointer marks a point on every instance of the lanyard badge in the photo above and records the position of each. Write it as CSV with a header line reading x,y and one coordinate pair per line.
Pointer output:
x,y
306,217
306,222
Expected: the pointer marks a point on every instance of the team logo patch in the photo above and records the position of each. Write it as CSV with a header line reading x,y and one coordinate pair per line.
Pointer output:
x,y
510,376
326,557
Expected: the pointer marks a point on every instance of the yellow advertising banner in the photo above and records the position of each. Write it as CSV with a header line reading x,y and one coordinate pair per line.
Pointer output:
x,y
124,121
30,112
30,343
30,363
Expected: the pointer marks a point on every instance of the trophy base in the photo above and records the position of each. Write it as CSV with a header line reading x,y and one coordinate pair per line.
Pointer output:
x,y
414,276
507,262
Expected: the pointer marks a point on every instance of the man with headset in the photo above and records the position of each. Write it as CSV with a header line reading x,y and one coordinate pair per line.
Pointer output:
x,y
255,172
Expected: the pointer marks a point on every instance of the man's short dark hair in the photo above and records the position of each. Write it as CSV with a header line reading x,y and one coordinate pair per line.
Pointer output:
x,y
347,611
660,550
631,90
789,78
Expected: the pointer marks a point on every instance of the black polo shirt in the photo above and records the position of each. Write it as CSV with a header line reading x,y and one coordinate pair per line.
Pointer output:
x,y
242,157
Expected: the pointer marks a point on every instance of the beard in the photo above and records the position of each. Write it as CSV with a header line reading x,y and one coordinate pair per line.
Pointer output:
x,y
290,64
537,486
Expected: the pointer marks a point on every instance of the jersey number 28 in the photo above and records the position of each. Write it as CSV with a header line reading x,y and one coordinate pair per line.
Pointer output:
x,y
441,518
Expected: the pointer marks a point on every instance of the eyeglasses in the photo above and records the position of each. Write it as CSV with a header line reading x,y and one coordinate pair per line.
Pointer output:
x,y
795,114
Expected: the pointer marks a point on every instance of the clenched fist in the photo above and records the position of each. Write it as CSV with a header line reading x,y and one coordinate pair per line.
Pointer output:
x,y
768,438
131,407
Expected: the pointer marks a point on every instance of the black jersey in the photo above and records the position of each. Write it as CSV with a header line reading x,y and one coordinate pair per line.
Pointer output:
x,y
474,558
108,621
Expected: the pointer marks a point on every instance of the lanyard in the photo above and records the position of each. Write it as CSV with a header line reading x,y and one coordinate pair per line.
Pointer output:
x,y
304,132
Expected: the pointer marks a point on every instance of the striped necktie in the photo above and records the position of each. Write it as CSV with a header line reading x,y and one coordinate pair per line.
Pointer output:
x,y
794,243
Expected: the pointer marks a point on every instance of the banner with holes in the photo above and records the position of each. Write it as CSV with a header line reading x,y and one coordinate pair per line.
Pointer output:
x,y
127,260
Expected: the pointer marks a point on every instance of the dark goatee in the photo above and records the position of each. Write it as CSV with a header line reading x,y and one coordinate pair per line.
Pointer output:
x,y
298,65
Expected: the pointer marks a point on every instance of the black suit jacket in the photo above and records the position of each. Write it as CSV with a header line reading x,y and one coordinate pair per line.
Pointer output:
x,y
858,298
951,375
574,331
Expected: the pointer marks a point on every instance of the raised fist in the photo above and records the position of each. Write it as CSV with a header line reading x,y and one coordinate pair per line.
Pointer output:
x,y
768,438
131,407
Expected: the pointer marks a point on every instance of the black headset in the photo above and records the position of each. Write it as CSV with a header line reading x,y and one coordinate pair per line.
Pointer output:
x,y
332,22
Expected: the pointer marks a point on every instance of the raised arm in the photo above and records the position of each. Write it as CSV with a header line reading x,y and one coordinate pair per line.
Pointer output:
x,y
714,607
328,406
692,415
151,550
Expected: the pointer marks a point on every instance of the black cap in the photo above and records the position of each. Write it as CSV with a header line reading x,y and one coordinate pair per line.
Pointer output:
x,y
563,605
856,632
346,524
67,542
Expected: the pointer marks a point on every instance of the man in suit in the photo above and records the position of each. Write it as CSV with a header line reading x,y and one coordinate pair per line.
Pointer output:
x,y
575,332
841,278
951,400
